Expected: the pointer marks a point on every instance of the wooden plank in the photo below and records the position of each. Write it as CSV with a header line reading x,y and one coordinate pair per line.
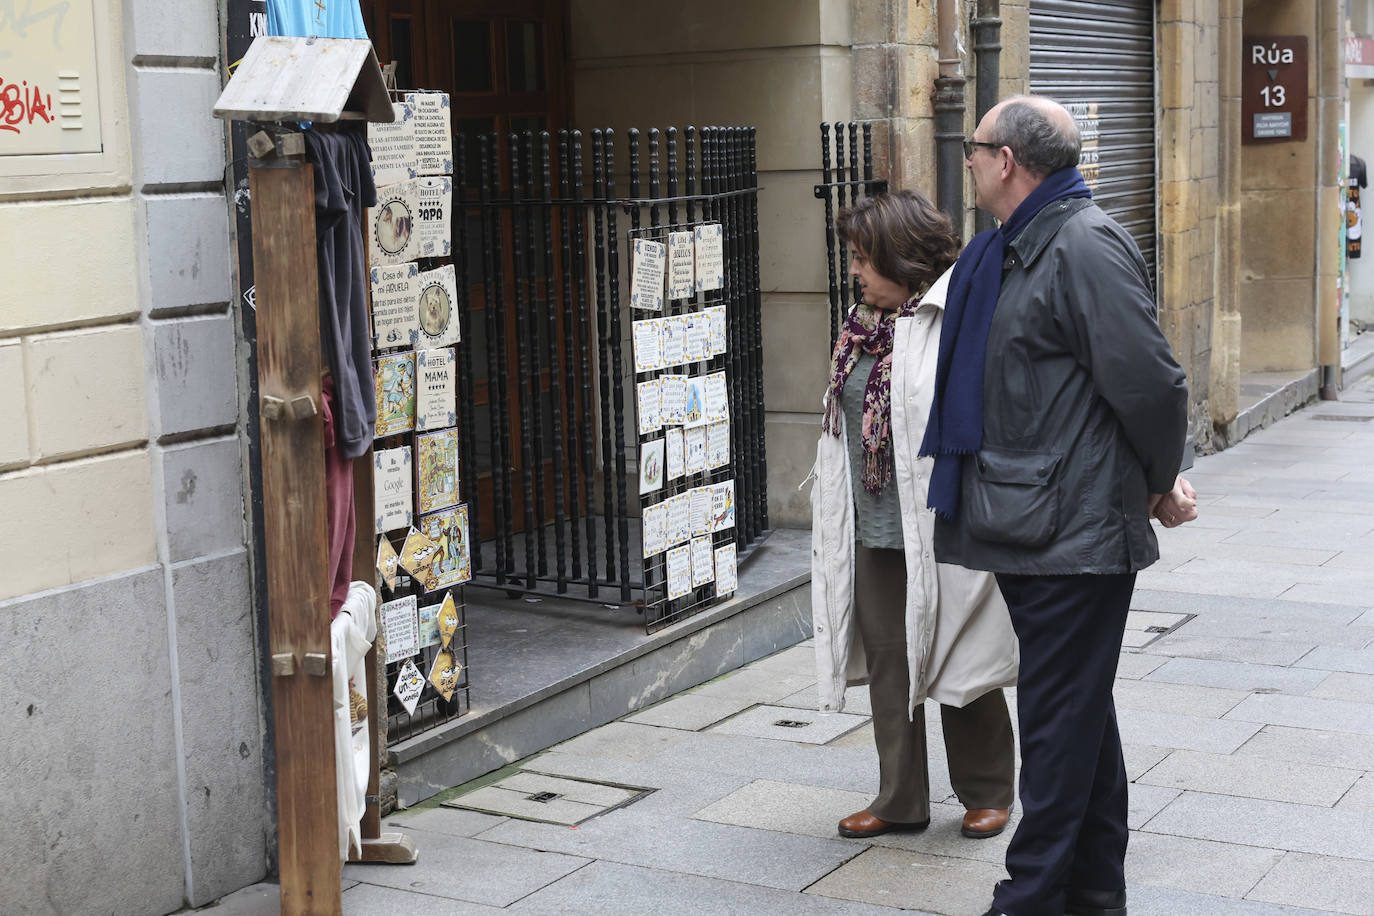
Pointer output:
x,y
305,79
289,365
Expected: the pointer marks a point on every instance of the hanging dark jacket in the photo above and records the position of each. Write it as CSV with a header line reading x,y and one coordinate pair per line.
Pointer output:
x,y
1085,410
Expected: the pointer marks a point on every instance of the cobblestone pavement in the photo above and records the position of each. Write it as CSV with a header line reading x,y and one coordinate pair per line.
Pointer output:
x,y
1246,701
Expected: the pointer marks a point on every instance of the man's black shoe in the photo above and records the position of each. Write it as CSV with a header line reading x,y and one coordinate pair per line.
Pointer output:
x,y
1096,903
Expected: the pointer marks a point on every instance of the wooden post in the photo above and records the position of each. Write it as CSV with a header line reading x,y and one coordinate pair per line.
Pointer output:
x,y
292,432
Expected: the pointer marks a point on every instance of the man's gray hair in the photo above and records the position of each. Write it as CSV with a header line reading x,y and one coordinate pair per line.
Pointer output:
x,y
1040,145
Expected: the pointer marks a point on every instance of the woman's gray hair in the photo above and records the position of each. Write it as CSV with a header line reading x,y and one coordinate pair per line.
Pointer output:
x,y
1039,145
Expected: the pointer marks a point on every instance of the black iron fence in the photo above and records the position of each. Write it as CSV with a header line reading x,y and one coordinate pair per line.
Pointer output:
x,y
546,382
845,178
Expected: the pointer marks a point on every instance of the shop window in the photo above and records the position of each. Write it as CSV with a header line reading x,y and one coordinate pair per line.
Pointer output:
x,y
524,56
472,55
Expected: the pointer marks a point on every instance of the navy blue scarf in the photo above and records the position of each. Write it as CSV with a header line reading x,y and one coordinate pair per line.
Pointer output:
x,y
955,428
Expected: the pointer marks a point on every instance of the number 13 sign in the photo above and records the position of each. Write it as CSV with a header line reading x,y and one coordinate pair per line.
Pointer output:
x,y
1273,87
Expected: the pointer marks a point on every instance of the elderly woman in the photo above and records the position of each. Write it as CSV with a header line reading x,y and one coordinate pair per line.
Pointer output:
x,y
886,613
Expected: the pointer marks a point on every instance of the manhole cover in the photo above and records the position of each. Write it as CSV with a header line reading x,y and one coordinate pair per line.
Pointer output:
x,y
532,796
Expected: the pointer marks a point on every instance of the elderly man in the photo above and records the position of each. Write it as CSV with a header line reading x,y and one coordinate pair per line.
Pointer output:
x,y
1059,428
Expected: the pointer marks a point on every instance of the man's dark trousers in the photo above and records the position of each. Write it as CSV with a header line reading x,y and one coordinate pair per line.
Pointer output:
x,y
1072,834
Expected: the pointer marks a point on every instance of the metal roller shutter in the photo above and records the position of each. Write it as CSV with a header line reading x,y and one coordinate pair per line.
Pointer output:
x,y
1098,58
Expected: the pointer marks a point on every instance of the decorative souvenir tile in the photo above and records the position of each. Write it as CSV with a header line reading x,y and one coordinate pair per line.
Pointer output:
x,y
719,339
679,519
436,464
417,553
445,674
436,308
727,580
679,572
675,455
681,265
655,529
650,466
694,444
393,146
674,398
710,251
452,564
410,683
433,137
723,506
391,493
401,628
697,338
393,305
649,396
436,389
648,344
391,225
716,397
434,217
387,559
694,402
448,620
717,445
674,341
395,385
703,561
429,624
646,275
700,511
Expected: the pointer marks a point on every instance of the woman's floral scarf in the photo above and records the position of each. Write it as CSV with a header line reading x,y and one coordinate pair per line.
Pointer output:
x,y
870,330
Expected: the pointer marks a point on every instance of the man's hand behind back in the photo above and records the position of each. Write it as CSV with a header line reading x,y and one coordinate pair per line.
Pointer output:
x,y
1177,506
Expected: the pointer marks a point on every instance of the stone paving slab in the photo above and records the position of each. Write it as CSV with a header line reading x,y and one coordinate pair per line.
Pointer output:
x,y
372,900
1135,665
690,711
1306,712
806,810
897,878
1355,661
1343,685
1338,612
1140,758
1243,676
1361,795
613,889
1252,777
625,740
1277,825
756,686
762,722
1145,801
1278,742
1324,883
1231,649
471,870
763,857
856,700
1163,901
1209,702
1283,629
1200,866
1163,729
495,800
452,821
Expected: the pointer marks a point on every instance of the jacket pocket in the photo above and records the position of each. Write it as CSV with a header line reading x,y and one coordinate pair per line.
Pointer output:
x,y
1012,497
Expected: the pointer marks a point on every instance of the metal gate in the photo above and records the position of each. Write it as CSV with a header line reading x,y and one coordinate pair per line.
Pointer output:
x,y
1097,57
842,185
541,240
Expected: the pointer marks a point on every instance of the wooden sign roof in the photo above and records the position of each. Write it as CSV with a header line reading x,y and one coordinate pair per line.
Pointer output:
x,y
306,79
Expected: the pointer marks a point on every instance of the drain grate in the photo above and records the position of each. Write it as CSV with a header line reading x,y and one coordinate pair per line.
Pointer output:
x,y
791,723
542,797
1344,417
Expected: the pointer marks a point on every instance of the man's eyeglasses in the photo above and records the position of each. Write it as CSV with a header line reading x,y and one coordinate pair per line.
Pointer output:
x,y
971,145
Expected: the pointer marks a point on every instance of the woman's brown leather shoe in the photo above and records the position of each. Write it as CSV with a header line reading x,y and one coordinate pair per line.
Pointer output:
x,y
981,823
862,824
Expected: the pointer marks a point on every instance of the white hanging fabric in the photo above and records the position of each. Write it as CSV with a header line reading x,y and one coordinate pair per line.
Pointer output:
x,y
350,637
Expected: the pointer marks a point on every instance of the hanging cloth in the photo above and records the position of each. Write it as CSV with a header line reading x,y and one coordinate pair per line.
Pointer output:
x,y
350,636
315,18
